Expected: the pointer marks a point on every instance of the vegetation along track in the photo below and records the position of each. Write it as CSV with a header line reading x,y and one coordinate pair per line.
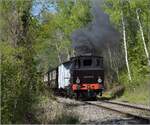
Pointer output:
x,y
142,113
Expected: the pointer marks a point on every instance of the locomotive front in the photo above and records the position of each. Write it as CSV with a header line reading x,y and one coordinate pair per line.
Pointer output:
x,y
87,76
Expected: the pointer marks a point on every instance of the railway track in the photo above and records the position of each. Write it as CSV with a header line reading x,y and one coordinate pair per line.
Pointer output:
x,y
140,113
129,105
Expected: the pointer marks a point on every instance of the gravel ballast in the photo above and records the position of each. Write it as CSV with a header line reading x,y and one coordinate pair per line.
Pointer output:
x,y
91,114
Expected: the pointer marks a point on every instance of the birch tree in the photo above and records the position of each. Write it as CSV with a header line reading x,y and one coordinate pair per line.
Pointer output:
x,y
125,47
142,35
134,25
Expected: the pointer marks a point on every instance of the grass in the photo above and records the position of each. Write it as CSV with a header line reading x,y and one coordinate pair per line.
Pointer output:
x,y
139,95
138,90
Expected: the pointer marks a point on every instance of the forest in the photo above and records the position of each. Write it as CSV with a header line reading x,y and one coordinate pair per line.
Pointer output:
x,y
38,35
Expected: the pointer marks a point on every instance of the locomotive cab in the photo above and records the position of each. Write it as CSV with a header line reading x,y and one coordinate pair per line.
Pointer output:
x,y
87,75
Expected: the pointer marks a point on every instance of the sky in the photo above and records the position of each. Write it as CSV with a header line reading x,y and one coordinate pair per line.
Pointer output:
x,y
36,9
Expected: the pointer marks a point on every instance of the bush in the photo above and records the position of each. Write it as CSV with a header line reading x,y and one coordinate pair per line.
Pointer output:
x,y
138,74
18,85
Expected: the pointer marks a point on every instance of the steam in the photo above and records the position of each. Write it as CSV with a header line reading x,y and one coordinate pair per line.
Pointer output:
x,y
97,36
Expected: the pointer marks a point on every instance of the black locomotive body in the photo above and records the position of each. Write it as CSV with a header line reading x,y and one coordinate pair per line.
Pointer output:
x,y
82,76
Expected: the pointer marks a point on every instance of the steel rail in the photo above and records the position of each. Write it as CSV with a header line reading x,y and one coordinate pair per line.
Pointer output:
x,y
127,105
145,119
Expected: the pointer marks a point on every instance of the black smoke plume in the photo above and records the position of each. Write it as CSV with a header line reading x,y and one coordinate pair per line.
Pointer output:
x,y
97,36
102,39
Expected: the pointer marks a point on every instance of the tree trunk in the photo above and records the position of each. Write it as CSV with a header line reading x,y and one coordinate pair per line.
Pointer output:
x,y
125,48
58,55
142,35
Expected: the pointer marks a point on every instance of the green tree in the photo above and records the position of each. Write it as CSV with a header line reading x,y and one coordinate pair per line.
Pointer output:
x,y
18,69
135,49
56,30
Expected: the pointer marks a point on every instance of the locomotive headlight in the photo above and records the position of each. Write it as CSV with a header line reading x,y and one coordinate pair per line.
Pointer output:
x,y
99,80
78,80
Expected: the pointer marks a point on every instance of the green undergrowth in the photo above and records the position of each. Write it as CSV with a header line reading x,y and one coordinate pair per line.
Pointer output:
x,y
138,89
138,94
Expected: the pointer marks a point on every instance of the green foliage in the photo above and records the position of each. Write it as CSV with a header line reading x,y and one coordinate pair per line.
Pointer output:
x,y
138,94
53,42
30,44
9,77
136,53
16,96
19,79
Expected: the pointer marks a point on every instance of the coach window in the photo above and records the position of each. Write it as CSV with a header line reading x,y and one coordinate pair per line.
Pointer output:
x,y
87,62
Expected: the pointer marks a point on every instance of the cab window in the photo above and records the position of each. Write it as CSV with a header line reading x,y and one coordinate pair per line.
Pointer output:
x,y
87,62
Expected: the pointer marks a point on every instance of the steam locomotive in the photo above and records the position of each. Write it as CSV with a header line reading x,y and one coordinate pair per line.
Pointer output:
x,y
81,77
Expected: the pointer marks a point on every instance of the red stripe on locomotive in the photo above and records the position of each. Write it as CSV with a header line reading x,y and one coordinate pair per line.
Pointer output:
x,y
86,86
